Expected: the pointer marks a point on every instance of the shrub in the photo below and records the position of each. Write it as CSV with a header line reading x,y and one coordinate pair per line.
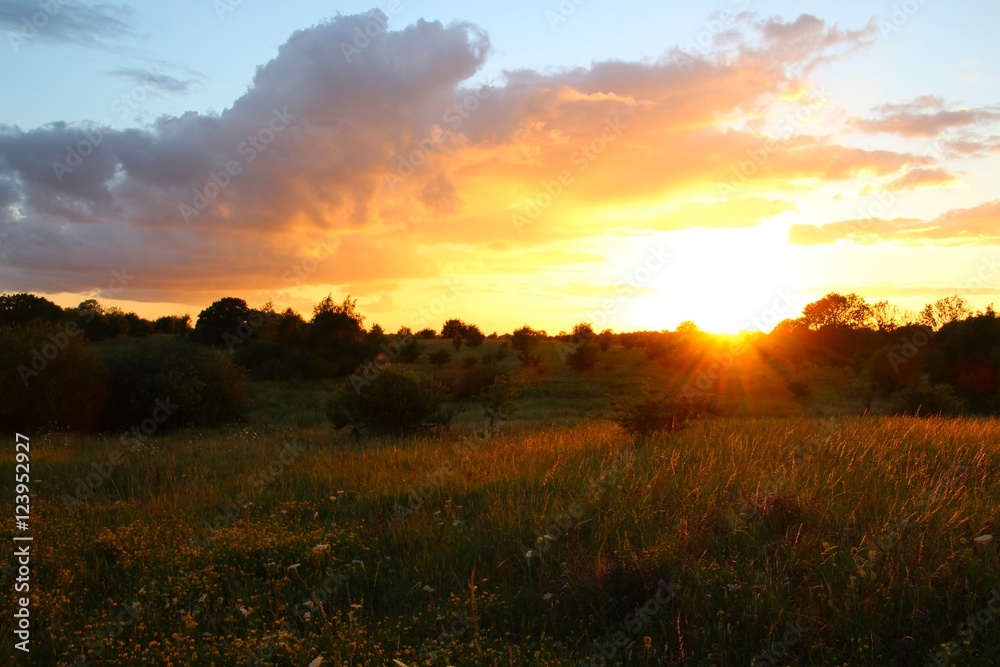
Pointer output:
x,y
439,357
202,385
409,350
469,361
655,414
49,378
499,400
469,382
389,398
584,356
924,400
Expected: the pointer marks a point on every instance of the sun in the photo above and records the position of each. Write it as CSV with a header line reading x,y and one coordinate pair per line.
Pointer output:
x,y
728,280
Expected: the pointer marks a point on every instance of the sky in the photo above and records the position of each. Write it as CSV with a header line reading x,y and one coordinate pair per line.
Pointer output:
x,y
630,164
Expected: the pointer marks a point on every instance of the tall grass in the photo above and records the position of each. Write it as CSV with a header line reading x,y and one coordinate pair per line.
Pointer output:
x,y
533,547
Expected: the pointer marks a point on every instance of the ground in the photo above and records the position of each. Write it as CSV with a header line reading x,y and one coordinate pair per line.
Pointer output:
x,y
780,531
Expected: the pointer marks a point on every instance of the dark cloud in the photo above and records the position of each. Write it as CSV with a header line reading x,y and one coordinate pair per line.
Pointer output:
x,y
65,21
157,80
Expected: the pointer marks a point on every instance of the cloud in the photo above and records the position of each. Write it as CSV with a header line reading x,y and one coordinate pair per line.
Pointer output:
x,y
157,80
384,156
977,225
921,178
64,22
925,117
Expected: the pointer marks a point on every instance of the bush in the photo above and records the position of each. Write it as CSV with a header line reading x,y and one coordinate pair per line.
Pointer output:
x,y
201,385
439,357
389,398
49,378
655,414
584,356
469,382
499,400
925,400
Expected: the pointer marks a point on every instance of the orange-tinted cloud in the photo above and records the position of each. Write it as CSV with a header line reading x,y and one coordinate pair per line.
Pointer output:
x,y
978,225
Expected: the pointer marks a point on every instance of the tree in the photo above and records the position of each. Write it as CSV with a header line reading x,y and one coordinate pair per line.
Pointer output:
x,y
885,316
22,308
688,326
172,324
333,325
453,328
605,338
226,316
525,341
473,336
837,310
91,318
944,311
583,356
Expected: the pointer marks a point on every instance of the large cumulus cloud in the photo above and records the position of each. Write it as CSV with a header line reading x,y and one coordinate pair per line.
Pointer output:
x,y
377,150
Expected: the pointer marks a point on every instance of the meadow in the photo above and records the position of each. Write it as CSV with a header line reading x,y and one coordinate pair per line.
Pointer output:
x,y
777,531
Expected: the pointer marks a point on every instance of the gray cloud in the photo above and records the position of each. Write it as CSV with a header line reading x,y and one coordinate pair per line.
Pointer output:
x,y
157,80
62,21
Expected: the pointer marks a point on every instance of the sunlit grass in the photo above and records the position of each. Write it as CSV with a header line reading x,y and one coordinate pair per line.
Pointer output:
x,y
759,522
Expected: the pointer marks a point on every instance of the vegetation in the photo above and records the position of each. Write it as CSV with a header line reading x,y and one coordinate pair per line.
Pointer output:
x,y
824,494
389,398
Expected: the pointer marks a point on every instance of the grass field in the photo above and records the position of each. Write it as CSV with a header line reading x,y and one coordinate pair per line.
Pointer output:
x,y
769,535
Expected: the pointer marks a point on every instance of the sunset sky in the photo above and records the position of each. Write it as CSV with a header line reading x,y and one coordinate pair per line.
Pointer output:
x,y
634,164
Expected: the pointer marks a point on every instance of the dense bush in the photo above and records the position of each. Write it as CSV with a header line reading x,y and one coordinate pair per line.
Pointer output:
x,y
654,414
499,400
439,357
468,382
389,398
926,400
198,385
49,379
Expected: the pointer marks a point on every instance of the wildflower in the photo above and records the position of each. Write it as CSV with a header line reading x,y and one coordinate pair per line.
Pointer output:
x,y
317,662
244,611
293,567
428,589
319,548
984,539
529,554
547,596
